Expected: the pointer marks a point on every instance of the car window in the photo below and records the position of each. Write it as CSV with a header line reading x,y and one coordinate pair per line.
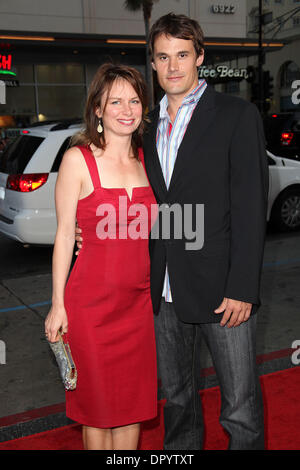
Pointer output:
x,y
271,161
60,154
295,125
18,153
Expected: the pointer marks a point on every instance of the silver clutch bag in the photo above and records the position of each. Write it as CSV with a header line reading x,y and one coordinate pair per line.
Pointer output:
x,y
65,363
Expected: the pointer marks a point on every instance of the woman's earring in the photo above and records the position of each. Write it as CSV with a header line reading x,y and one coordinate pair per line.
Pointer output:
x,y
100,128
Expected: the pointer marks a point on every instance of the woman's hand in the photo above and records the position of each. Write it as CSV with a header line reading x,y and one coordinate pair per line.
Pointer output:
x,y
78,239
56,319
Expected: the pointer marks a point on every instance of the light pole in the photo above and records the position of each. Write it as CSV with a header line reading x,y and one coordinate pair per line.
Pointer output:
x,y
260,58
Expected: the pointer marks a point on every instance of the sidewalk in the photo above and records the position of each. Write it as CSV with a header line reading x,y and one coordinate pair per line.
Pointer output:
x,y
30,379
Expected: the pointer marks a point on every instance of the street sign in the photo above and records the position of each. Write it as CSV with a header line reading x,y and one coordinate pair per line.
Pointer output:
x,y
2,92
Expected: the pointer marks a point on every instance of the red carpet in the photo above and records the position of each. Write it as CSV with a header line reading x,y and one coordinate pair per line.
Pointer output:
x,y
282,415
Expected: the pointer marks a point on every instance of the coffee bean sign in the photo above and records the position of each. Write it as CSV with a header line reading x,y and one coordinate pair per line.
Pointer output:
x,y
222,71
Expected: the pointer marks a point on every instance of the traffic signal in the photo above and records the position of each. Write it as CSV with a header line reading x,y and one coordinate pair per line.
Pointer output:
x,y
268,90
254,80
250,73
254,92
268,86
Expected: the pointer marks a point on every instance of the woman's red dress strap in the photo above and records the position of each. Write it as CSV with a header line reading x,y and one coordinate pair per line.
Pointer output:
x,y
91,164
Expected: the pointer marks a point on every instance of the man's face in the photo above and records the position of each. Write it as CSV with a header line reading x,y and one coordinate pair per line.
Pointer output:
x,y
176,63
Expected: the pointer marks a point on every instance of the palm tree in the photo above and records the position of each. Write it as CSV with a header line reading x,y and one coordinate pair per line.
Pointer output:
x,y
146,6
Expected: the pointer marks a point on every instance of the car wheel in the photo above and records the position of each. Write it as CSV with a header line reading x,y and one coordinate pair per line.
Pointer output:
x,y
286,210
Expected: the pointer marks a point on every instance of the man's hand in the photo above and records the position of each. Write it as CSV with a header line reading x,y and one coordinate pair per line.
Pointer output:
x,y
78,239
237,311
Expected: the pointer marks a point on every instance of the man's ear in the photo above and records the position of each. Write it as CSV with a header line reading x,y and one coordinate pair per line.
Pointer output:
x,y
200,59
153,66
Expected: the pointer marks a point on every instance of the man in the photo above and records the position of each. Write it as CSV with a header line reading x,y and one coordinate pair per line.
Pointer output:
x,y
206,148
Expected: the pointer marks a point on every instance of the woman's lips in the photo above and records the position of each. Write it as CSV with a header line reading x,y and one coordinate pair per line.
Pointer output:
x,y
126,122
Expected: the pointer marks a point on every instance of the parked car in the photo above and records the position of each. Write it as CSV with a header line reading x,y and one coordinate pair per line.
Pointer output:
x,y
284,193
28,172
282,132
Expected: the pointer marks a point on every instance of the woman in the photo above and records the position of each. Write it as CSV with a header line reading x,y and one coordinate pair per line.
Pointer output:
x,y
105,308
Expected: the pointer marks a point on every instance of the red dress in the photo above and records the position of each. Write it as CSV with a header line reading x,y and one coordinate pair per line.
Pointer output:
x,y
109,309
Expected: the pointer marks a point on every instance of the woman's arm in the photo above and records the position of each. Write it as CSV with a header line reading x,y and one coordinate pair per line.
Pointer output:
x,y
67,192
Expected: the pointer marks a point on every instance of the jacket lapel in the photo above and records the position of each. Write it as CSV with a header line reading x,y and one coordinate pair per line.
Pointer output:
x,y
202,117
152,161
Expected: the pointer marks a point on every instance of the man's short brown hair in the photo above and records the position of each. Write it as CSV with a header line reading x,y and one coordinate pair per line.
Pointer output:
x,y
178,26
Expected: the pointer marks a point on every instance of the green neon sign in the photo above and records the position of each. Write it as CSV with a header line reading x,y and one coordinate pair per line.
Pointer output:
x,y
6,72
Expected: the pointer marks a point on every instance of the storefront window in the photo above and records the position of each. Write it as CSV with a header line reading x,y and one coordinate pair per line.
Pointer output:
x,y
45,91
25,73
60,73
289,72
61,90
19,100
59,102
232,87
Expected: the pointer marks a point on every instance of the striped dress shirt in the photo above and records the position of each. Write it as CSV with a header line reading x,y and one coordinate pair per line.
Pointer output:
x,y
168,139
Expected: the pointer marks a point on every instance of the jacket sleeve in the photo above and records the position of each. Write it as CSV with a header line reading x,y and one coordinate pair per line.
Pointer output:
x,y
249,182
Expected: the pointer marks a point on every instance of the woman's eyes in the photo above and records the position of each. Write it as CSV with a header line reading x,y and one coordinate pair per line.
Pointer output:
x,y
132,101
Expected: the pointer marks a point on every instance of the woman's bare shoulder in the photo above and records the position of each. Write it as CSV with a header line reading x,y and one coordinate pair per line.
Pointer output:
x,y
73,158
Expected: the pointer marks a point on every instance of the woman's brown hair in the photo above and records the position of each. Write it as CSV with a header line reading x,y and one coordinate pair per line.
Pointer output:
x,y
178,26
101,83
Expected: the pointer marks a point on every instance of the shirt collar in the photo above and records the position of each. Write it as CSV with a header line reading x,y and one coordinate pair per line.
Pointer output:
x,y
192,97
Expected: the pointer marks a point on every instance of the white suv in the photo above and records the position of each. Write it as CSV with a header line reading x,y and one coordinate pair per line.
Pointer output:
x,y
28,172
284,193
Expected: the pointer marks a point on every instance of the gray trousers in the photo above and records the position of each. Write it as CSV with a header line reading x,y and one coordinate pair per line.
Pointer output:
x,y
233,352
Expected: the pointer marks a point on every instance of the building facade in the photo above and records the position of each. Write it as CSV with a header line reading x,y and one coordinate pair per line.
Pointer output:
x,y
283,23
49,51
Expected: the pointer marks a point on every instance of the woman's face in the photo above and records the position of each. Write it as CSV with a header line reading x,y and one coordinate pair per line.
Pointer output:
x,y
123,111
